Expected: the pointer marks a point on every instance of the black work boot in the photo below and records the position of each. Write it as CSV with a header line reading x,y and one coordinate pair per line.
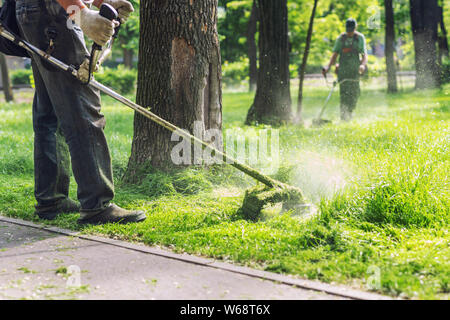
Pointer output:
x,y
52,211
113,214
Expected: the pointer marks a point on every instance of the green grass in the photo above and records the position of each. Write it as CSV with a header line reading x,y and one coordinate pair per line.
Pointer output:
x,y
381,183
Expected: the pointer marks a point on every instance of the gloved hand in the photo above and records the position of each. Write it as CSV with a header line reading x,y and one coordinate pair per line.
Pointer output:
x,y
124,8
95,26
362,69
84,72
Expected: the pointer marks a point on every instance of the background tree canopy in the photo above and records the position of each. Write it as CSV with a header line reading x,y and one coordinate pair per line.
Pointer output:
x,y
234,16
329,23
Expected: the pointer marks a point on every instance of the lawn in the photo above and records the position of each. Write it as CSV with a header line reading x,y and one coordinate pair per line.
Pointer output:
x,y
380,183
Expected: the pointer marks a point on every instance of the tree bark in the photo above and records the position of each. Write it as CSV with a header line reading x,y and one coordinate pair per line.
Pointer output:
x,y
424,20
179,77
305,63
390,47
7,88
252,48
272,104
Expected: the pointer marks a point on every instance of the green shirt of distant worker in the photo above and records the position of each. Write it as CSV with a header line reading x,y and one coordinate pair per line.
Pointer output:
x,y
351,49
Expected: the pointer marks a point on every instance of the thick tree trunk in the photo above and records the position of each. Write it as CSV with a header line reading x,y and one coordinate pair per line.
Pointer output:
x,y
424,20
272,104
7,88
179,77
390,47
305,63
252,48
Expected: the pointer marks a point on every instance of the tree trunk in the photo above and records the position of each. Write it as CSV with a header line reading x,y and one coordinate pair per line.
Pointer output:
x,y
179,78
424,21
305,63
128,58
252,48
443,42
390,47
7,88
272,104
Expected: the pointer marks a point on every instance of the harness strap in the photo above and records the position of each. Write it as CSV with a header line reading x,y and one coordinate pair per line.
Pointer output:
x,y
352,46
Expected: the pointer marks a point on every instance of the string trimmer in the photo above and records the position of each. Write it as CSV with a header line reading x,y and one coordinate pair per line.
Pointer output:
x,y
319,121
271,192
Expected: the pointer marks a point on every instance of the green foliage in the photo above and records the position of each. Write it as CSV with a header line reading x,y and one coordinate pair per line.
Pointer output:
x,y
232,27
235,73
446,6
21,76
377,66
191,181
156,183
121,79
329,23
446,70
128,37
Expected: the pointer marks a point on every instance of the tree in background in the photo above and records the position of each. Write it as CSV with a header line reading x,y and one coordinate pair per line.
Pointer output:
x,y
443,35
444,56
252,47
328,24
424,21
272,103
179,76
390,46
129,37
305,62
7,88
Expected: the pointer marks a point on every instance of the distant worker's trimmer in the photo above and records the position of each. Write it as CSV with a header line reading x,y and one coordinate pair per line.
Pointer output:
x,y
319,121
271,192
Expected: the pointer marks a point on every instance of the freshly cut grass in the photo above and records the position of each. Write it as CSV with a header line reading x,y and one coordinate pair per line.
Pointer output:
x,y
380,182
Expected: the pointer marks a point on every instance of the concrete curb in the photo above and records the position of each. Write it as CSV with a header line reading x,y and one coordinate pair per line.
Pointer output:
x,y
210,263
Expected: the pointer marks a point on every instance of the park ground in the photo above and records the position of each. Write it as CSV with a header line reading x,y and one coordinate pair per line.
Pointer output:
x,y
380,183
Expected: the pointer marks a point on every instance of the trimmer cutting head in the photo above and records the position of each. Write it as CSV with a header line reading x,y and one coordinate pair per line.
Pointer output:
x,y
261,196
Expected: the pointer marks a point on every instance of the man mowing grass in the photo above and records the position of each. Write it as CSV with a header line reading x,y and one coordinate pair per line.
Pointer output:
x,y
65,111
349,46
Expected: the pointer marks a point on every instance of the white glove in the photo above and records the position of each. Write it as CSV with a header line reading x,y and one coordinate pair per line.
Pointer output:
x,y
95,26
124,8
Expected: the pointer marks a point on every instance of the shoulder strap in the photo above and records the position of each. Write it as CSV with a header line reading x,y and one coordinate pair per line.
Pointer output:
x,y
355,38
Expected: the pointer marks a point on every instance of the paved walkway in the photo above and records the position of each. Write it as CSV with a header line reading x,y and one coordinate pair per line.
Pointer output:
x,y
38,263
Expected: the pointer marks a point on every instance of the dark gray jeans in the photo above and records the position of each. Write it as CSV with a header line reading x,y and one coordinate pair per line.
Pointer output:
x,y
66,114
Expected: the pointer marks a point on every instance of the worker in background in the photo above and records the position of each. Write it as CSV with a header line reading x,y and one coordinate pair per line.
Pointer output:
x,y
351,49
